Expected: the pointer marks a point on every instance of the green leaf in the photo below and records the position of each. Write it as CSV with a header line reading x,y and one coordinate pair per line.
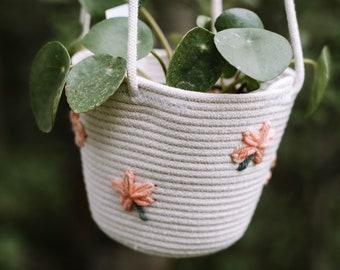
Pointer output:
x,y
110,37
92,81
228,71
258,53
47,79
238,18
252,84
203,21
97,7
321,79
196,64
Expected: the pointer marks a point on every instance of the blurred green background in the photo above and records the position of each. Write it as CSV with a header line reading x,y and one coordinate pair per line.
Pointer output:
x,y
44,218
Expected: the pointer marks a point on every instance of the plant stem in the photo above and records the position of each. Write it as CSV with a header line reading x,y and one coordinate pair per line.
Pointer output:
x,y
222,83
160,60
233,84
308,61
142,74
159,33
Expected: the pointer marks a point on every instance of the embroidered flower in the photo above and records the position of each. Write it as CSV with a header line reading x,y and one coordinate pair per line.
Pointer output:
x,y
133,194
78,129
253,146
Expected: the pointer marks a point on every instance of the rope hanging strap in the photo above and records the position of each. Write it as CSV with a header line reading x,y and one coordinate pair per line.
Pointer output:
x,y
132,47
296,43
216,9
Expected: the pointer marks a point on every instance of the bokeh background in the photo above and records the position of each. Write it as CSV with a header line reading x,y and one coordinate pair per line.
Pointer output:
x,y
44,217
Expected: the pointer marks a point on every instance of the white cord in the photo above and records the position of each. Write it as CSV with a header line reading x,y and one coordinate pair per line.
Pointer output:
x,y
85,21
216,10
132,47
296,43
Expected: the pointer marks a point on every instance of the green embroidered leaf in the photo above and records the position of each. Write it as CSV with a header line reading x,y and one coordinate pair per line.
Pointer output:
x,y
238,18
92,81
258,53
97,7
196,64
140,212
244,164
47,79
110,37
322,75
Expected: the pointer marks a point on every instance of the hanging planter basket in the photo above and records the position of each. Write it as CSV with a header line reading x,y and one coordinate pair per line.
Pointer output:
x,y
179,173
182,143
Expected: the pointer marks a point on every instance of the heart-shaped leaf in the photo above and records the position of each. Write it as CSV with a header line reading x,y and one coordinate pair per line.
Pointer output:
x,y
47,79
258,53
196,64
238,18
322,75
92,81
97,7
110,37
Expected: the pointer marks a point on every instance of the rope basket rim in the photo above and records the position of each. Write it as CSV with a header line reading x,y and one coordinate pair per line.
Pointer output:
x,y
267,89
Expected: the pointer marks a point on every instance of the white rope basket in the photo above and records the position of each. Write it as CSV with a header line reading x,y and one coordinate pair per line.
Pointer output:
x,y
181,142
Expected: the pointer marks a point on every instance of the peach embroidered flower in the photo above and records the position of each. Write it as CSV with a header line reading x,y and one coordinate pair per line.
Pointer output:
x,y
253,146
133,194
78,129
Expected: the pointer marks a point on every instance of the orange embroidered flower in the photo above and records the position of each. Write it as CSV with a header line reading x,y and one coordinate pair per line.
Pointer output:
x,y
132,193
78,129
253,146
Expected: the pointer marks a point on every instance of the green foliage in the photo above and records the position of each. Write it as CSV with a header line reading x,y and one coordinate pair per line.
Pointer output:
x,y
238,18
97,7
196,64
251,83
241,41
47,78
11,250
91,82
111,37
321,79
258,53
